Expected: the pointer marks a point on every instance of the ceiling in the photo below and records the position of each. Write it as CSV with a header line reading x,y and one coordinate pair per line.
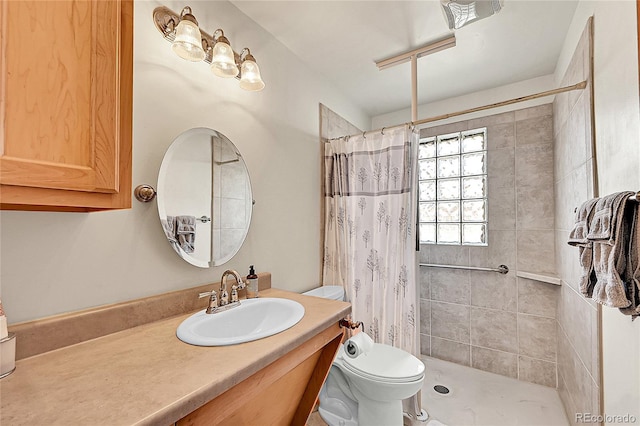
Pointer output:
x,y
342,39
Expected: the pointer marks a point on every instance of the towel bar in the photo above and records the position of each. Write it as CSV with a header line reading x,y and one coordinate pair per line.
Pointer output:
x,y
635,197
502,269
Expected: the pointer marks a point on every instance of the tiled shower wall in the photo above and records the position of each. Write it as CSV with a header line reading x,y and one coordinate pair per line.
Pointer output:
x,y
500,323
578,320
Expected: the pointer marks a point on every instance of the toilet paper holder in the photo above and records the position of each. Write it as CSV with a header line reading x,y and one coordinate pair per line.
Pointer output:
x,y
347,323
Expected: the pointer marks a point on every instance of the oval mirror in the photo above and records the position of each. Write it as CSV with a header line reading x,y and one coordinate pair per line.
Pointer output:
x,y
204,197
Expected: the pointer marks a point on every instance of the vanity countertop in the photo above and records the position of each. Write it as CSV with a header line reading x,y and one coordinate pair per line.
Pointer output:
x,y
145,375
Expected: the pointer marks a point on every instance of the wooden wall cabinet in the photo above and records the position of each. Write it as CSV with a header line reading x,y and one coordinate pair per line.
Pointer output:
x,y
283,393
66,104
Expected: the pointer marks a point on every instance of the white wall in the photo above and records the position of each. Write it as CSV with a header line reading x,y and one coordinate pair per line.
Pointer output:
x,y
60,262
617,121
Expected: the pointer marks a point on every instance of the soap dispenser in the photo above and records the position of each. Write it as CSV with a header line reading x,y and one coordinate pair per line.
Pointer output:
x,y
252,283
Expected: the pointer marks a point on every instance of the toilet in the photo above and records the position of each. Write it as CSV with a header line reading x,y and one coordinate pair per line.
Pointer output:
x,y
367,381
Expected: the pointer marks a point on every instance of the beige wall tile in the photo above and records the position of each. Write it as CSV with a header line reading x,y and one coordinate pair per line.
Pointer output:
x,y
425,316
444,129
577,123
449,255
501,136
575,316
450,321
536,251
503,363
567,402
537,337
537,298
501,165
425,344
535,206
534,112
495,291
451,351
450,285
425,282
576,376
502,206
506,117
500,251
562,154
537,371
533,131
494,329
534,166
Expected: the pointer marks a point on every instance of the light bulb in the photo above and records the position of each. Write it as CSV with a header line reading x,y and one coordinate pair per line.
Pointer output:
x,y
188,41
250,78
223,63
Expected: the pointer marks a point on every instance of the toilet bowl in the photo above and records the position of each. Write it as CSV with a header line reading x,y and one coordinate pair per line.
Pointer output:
x,y
366,386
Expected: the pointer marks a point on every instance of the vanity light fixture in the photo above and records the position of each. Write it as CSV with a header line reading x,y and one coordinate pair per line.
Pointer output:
x,y
250,73
191,43
188,40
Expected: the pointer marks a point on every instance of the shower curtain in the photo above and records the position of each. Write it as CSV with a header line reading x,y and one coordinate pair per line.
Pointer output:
x,y
369,245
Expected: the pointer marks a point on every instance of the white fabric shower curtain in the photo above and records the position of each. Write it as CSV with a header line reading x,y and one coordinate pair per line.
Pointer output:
x,y
369,245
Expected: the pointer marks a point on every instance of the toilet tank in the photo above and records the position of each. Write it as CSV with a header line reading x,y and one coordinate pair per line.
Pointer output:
x,y
334,292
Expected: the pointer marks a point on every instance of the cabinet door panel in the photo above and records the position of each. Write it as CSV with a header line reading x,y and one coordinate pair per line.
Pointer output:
x,y
60,87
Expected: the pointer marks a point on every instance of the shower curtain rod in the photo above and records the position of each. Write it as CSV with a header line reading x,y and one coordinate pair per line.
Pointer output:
x,y
577,86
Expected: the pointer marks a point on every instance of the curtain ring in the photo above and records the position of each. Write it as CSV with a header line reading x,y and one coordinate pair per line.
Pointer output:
x,y
363,136
382,131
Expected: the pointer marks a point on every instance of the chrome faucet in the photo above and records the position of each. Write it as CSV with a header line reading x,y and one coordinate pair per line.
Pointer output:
x,y
222,304
224,295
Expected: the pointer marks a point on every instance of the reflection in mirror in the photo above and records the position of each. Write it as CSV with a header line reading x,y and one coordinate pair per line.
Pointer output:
x,y
204,197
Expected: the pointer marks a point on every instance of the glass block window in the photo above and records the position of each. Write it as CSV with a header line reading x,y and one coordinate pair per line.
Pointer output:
x,y
452,191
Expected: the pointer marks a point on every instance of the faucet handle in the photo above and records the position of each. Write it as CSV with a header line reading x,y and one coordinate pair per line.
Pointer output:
x,y
241,284
234,293
206,294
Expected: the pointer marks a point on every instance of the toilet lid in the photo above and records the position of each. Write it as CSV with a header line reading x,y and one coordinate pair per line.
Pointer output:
x,y
386,363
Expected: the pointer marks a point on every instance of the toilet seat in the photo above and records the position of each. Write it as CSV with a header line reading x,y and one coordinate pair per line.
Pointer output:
x,y
387,364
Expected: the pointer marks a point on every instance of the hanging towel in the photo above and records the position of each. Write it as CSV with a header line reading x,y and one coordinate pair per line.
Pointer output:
x,y
169,227
186,232
609,231
632,275
578,237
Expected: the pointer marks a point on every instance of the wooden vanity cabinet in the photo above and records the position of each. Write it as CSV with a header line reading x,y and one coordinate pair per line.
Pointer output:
x,y
66,104
283,393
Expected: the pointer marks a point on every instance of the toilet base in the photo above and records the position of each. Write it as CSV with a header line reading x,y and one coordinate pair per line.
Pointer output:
x,y
379,413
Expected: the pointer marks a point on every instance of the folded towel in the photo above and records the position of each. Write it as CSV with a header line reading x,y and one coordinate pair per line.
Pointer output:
x,y
632,271
578,237
169,227
608,214
186,232
609,230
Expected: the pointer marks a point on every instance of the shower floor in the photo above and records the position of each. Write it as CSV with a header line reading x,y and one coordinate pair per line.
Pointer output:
x,y
480,398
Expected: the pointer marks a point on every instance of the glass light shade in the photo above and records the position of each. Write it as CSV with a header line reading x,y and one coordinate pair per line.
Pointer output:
x,y
188,42
223,63
250,79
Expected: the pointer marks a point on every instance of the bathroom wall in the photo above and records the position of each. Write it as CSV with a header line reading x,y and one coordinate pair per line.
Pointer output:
x,y
494,322
60,262
617,126
578,320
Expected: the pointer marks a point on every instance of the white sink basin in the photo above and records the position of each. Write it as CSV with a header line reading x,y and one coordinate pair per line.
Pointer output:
x,y
252,320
